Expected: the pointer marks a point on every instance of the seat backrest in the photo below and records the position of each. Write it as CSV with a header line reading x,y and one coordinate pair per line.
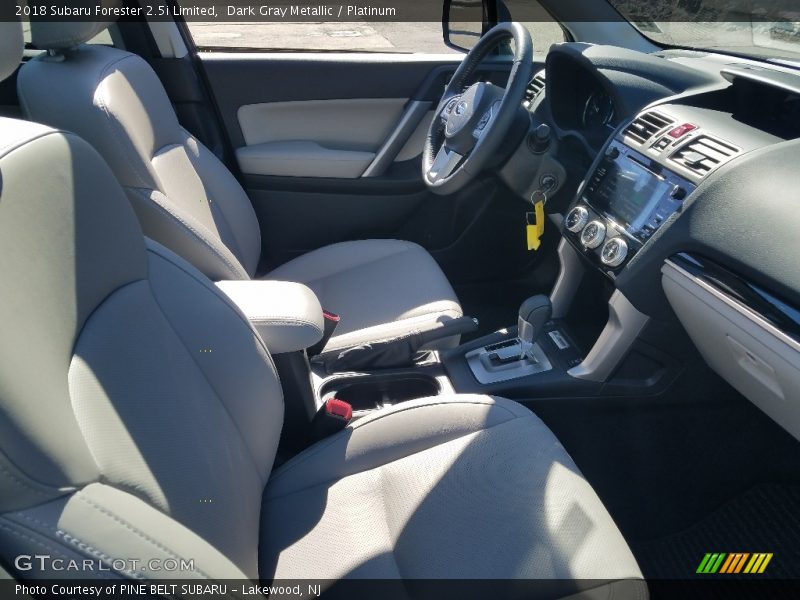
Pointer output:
x,y
184,196
139,411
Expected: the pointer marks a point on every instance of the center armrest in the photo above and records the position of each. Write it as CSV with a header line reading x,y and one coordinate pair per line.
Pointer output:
x,y
287,315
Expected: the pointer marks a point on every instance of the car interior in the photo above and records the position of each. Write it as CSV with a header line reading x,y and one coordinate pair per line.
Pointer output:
x,y
508,313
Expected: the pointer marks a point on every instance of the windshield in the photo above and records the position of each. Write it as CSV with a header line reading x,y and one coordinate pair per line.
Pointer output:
x,y
765,29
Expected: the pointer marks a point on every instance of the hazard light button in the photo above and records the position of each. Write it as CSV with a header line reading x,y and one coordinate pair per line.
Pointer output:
x,y
682,130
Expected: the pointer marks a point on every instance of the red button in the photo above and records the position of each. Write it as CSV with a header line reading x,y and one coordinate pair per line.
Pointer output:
x,y
681,130
339,408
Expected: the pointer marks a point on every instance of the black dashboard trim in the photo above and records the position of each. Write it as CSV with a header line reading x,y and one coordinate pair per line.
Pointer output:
x,y
777,312
788,82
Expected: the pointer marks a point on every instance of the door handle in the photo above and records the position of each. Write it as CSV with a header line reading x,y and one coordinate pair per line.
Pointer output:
x,y
412,116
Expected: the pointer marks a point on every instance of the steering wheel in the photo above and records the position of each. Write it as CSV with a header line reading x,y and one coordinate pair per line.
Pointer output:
x,y
470,123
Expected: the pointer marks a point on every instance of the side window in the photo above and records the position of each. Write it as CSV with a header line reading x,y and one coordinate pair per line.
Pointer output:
x,y
325,36
103,38
369,35
544,30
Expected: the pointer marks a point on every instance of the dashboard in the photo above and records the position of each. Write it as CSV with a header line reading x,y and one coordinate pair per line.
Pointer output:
x,y
691,202
664,159
626,200
598,111
655,132
591,90
583,106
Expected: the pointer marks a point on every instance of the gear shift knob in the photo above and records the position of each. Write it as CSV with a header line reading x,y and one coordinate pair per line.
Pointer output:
x,y
534,313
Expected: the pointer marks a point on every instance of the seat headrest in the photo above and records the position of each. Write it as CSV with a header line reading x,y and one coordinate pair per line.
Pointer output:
x,y
11,46
63,35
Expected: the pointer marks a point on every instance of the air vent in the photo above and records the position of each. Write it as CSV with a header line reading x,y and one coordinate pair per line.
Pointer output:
x,y
534,88
647,125
704,154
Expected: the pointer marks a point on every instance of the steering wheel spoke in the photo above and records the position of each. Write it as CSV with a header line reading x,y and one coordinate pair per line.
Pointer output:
x,y
471,121
444,163
448,105
486,120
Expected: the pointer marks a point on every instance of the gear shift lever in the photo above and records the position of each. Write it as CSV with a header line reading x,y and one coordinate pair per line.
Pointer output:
x,y
509,359
534,313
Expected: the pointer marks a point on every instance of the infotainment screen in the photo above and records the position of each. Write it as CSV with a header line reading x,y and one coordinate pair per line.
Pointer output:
x,y
632,192
634,196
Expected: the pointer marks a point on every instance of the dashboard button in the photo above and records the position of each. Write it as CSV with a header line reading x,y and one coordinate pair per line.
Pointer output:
x,y
576,219
682,130
612,153
614,252
662,143
693,159
548,182
678,193
593,234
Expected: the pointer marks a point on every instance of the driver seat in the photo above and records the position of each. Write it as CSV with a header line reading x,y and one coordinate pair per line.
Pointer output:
x,y
187,200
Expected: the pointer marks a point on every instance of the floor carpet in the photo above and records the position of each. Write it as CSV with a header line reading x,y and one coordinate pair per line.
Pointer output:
x,y
765,518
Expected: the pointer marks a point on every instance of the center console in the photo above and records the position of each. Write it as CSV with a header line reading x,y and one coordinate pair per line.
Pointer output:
x,y
585,339
626,200
634,191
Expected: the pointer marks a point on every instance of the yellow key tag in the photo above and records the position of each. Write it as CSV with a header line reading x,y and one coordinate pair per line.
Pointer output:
x,y
534,230
532,234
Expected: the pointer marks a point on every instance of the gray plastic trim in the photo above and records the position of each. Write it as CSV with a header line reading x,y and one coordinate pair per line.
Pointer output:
x,y
732,303
302,159
486,373
754,356
412,116
569,278
625,323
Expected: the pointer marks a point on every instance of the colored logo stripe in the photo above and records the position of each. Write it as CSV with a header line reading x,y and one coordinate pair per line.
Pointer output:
x,y
711,563
734,562
758,563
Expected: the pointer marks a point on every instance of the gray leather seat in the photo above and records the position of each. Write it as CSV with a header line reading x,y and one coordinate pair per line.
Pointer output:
x,y
121,440
187,200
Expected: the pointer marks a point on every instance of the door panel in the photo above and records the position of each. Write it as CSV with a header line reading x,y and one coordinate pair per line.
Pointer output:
x,y
330,147
316,138
292,158
361,122
331,138
242,79
413,147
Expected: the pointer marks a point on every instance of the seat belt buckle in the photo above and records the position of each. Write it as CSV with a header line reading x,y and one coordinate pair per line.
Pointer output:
x,y
331,418
331,322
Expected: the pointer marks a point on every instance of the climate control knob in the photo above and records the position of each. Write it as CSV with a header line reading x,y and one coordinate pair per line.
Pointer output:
x,y
593,234
576,219
614,252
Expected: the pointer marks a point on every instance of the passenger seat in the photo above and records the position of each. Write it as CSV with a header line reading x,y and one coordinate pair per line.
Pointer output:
x,y
187,200
120,439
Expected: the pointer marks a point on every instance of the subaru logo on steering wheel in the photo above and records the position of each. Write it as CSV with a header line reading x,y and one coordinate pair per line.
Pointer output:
x,y
461,108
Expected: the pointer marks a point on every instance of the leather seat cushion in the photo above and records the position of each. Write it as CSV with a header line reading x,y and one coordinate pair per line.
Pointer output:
x,y
382,289
462,486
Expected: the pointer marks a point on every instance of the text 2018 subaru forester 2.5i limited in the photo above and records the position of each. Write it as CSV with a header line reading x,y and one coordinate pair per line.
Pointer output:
x,y
503,302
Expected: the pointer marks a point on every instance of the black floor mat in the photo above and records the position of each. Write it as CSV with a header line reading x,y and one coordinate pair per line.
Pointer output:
x,y
765,518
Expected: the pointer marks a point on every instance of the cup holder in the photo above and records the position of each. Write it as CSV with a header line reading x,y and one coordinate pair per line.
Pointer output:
x,y
371,392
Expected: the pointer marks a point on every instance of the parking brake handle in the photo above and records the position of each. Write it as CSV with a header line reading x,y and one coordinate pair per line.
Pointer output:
x,y
393,353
